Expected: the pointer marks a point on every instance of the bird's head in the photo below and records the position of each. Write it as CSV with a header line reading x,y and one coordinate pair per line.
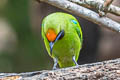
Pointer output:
x,y
53,28
55,25
53,36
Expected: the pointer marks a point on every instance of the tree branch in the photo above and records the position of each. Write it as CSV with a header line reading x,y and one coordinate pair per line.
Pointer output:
x,y
107,70
85,13
99,5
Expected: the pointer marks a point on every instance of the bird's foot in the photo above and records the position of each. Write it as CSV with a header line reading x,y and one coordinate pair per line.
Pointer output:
x,y
55,68
76,64
55,63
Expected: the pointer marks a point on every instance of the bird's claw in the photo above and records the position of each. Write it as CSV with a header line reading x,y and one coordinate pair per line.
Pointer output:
x,y
55,68
55,63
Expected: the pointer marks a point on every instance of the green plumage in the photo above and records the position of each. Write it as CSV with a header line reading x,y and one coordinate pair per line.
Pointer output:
x,y
71,43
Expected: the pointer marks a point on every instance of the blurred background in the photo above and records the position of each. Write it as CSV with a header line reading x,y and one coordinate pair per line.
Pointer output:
x,y
22,48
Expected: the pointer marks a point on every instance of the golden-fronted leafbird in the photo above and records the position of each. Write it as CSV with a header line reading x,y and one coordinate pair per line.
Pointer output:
x,y
63,38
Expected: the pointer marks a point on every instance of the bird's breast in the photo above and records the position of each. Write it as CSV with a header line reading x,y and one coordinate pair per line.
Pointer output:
x,y
67,46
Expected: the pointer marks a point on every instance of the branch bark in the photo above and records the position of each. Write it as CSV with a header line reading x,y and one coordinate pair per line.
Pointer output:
x,y
85,13
99,5
107,70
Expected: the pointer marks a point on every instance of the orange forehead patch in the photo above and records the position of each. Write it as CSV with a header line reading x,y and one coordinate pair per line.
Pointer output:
x,y
51,35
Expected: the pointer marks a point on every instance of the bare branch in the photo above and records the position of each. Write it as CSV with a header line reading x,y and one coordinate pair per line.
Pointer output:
x,y
85,13
107,3
103,5
107,70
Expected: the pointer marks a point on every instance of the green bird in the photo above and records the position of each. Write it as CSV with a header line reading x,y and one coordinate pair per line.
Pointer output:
x,y
63,38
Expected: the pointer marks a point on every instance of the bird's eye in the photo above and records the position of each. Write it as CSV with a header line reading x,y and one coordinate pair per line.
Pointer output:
x,y
74,21
60,35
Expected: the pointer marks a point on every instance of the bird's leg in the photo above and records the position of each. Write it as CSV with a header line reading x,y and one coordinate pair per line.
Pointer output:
x,y
55,63
73,58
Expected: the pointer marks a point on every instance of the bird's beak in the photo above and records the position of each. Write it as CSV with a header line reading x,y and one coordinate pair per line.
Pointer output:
x,y
59,36
51,44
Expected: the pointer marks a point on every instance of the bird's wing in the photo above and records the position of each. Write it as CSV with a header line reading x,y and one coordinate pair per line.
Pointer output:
x,y
79,32
77,28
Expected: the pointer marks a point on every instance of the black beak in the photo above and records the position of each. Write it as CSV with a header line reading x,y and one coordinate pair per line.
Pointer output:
x,y
59,36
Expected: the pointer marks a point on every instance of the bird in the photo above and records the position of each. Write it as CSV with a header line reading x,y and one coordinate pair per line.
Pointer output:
x,y
63,38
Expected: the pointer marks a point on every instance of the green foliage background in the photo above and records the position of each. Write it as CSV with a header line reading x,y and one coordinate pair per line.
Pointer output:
x,y
30,53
